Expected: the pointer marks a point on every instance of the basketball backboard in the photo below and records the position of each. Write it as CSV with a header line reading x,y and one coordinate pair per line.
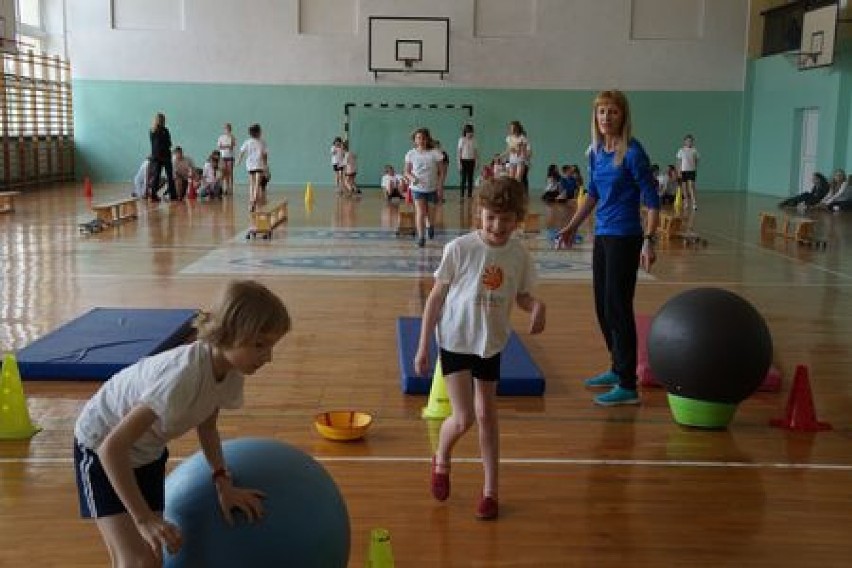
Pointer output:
x,y
819,28
408,45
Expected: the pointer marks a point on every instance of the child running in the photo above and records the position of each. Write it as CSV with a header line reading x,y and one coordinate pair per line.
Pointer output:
x,y
120,436
481,274
424,166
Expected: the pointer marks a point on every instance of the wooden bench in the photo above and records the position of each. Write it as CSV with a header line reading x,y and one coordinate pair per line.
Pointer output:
x,y
115,212
801,230
405,226
7,201
671,225
263,221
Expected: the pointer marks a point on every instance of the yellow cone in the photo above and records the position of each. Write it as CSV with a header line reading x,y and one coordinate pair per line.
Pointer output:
x,y
678,202
309,195
380,554
438,406
15,421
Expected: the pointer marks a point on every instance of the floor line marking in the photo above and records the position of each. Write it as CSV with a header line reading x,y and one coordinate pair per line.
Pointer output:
x,y
527,461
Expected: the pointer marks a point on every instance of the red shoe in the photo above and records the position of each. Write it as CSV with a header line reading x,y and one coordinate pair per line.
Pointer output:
x,y
440,483
487,509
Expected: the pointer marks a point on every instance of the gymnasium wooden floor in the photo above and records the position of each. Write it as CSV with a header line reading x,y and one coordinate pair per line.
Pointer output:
x,y
581,486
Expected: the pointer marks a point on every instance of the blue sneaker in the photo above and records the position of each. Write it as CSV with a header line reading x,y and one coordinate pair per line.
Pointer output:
x,y
617,396
607,379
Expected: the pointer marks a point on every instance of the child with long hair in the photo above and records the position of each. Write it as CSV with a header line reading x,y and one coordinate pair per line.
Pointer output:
x,y
226,144
424,170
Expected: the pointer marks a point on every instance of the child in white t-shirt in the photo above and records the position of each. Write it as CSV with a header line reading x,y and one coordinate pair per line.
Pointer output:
x,y
350,170
254,152
211,176
480,276
121,434
337,165
392,183
687,167
226,144
424,171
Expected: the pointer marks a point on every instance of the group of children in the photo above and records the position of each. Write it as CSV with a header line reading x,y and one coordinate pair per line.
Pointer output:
x,y
344,164
834,195
121,434
214,179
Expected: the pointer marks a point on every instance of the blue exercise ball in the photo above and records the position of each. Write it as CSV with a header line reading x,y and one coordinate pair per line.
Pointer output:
x,y
305,520
709,344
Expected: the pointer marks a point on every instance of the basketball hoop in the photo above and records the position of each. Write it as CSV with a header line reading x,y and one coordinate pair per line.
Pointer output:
x,y
803,59
408,65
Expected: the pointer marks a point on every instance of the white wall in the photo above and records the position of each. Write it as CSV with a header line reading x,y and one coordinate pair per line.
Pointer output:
x,y
560,44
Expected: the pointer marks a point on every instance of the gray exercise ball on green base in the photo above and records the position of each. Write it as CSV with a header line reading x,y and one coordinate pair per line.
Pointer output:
x,y
711,349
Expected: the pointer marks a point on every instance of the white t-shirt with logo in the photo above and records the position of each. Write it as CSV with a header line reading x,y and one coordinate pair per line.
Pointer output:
x,y
178,385
424,167
484,282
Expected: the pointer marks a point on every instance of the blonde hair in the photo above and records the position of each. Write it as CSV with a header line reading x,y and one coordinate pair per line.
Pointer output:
x,y
620,100
503,195
244,310
158,122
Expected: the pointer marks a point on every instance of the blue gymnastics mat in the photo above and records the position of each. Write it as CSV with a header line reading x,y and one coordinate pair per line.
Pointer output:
x,y
519,375
102,342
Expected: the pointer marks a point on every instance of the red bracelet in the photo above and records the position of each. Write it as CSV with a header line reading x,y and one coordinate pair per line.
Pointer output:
x,y
221,472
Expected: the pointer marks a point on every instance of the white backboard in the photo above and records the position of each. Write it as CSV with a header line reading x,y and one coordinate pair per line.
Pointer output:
x,y
416,44
818,30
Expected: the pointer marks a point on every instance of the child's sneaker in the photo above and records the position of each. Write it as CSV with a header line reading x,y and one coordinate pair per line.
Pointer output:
x,y
487,510
617,396
607,379
440,482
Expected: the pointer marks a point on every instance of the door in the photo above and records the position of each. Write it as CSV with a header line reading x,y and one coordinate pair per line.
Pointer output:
x,y
809,129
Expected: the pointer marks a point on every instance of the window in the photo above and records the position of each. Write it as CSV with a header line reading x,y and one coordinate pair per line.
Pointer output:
x,y
29,13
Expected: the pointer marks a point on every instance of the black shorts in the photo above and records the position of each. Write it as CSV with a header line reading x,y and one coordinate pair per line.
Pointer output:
x,y
481,369
96,494
688,176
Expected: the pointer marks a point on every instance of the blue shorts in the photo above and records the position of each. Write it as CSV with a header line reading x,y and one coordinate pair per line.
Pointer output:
x,y
427,196
97,497
480,369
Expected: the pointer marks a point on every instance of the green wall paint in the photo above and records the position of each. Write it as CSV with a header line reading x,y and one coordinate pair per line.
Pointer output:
x,y
112,120
776,92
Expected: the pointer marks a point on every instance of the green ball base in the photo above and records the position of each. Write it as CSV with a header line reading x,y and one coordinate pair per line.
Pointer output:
x,y
701,413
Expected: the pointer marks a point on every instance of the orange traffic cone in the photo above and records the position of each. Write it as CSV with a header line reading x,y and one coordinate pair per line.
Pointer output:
x,y
800,414
87,188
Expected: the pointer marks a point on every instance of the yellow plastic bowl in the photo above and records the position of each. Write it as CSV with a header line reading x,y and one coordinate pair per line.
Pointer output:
x,y
343,425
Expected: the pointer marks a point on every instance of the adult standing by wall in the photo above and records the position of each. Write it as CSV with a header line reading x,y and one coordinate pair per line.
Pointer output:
x,y
161,157
620,180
